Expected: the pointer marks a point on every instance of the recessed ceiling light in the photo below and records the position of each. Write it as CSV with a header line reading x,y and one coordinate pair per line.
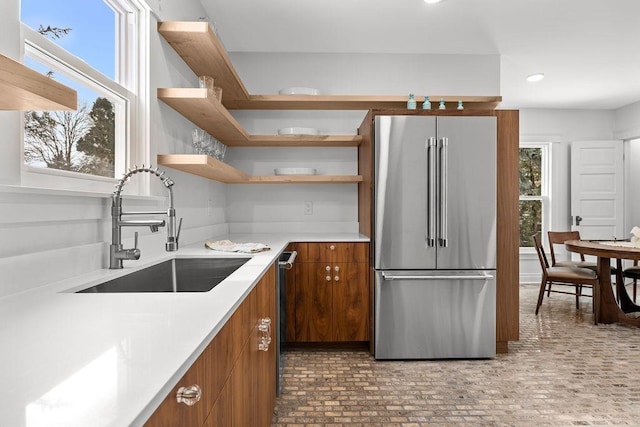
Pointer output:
x,y
432,1
536,77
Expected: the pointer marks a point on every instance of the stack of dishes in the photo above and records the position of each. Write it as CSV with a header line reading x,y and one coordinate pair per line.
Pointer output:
x,y
298,131
294,171
299,91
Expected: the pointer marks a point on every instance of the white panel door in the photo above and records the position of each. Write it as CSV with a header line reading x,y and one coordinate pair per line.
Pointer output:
x,y
597,189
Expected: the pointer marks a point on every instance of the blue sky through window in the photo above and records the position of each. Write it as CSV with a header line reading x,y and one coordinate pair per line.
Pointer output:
x,y
92,23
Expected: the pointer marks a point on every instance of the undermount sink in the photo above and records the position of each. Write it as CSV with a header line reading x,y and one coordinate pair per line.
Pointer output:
x,y
176,275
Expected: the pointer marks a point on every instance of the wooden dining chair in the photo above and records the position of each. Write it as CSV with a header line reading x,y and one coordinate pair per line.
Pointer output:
x,y
633,273
576,277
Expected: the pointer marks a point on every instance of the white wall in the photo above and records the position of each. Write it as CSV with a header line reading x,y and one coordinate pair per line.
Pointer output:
x,y
51,235
627,127
370,74
335,206
560,127
627,122
632,185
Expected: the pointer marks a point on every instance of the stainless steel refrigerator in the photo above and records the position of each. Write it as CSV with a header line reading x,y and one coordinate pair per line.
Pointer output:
x,y
434,237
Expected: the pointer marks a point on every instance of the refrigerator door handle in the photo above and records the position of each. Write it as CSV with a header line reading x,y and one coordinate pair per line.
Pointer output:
x,y
444,151
431,192
386,276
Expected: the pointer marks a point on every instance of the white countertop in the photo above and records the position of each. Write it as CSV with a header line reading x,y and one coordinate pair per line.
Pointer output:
x,y
89,359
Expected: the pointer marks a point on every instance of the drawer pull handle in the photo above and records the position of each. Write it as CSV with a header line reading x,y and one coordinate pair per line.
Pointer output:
x,y
265,325
263,345
265,328
189,395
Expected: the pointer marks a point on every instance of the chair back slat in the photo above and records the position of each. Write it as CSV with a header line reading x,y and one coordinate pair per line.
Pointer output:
x,y
558,238
540,251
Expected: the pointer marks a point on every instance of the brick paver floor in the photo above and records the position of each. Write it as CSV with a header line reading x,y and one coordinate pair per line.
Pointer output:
x,y
564,371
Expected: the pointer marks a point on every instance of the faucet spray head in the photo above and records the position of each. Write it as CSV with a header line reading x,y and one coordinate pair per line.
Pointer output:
x,y
168,182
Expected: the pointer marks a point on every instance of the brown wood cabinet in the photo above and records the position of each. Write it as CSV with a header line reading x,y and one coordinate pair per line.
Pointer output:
x,y
328,299
236,375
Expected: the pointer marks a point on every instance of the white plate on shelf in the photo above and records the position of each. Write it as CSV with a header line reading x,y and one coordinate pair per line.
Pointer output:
x,y
299,91
294,171
298,131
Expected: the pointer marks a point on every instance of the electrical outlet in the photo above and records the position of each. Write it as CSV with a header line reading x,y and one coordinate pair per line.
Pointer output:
x,y
308,208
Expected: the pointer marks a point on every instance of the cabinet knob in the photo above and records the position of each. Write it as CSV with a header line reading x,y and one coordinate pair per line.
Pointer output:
x,y
328,278
332,247
328,268
336,268
337,278
189,395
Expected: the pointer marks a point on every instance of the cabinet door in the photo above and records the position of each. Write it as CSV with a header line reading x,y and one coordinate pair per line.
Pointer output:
x,y
294,278
243,391
266,359
350,302
314,304
171,413
209,372
254,375
338,252
221,413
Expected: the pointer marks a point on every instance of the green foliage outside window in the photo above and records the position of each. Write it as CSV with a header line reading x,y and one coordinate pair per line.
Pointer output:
x,y
530,185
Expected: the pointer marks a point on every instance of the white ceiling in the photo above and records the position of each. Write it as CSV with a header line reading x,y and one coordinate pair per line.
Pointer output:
x,y
589,50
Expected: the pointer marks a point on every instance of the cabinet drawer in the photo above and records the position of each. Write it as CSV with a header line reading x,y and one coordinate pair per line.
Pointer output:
x,y
335,252
210,371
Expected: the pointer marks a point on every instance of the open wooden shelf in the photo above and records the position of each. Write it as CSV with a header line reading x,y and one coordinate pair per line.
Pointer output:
x,y
354,102
201,50
300,141
24,89
208,167
206,112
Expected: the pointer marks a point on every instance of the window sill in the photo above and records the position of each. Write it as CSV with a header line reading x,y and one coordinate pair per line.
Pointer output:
x,y
17,189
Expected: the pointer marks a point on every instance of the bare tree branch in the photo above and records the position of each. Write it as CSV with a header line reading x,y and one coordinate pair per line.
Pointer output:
x,y
53,32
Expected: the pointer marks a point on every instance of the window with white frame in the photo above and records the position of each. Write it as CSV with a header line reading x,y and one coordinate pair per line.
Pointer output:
x,y
534,191
97,48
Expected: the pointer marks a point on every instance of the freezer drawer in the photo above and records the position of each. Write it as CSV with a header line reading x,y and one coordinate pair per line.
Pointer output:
x,y
435,314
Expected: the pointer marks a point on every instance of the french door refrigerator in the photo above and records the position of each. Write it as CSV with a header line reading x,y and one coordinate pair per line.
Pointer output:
x,y
434,236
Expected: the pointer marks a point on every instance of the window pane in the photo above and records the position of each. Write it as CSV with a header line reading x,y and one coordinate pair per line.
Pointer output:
x,y
530,221
530,171
78,141
86,28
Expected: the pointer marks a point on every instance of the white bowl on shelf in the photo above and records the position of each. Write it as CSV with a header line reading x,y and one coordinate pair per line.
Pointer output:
x,y
294,171
298,131
299,91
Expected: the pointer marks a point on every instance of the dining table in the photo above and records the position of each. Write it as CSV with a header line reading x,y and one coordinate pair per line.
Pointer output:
x,y
608,308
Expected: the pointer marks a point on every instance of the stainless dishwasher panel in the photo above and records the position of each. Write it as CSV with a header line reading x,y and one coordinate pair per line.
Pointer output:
x,y
435,314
